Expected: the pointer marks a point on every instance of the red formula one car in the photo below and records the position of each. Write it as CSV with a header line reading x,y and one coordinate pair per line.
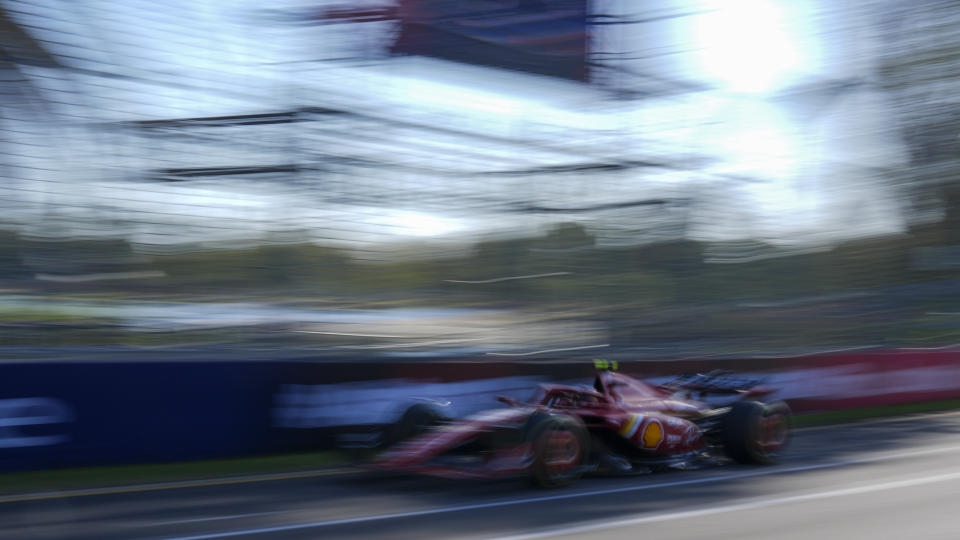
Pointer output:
x,y
620,424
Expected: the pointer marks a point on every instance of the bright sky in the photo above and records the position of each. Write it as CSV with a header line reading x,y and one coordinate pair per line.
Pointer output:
x,y
792,177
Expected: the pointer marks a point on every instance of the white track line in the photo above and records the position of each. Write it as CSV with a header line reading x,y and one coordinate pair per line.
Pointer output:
x,y
547,498
752,505
218,518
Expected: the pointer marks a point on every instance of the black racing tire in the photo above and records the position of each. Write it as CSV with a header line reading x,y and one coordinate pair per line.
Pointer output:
x,y
417,419
560,446
755,432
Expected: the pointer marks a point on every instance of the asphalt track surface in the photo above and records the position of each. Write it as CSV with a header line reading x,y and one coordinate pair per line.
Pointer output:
x,y
883,479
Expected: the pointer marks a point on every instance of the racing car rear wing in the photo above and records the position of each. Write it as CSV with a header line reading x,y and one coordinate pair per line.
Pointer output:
x,y
718,381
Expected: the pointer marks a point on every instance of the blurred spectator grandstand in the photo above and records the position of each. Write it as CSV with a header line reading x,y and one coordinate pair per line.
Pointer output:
x,y
479,177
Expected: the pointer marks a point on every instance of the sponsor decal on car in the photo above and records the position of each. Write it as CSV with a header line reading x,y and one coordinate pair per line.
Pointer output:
x,y
653,434
631,425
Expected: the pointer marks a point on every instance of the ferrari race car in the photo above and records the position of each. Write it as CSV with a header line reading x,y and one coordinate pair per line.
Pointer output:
x,y
621,424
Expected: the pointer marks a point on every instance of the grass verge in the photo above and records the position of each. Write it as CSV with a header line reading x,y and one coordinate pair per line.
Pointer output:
x,y
865,413
125,475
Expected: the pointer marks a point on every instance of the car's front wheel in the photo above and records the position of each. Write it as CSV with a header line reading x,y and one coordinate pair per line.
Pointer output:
x,y
755,432
560,446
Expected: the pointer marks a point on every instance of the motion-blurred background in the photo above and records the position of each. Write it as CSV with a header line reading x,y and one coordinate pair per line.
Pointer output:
x,y
507,177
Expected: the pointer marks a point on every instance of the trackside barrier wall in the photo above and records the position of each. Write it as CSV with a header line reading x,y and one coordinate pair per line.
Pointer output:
x,y
77,414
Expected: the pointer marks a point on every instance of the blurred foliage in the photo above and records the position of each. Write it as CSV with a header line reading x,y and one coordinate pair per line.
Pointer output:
x,y
858,293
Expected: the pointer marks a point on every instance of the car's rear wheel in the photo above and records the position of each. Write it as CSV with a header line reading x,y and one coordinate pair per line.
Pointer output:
x,y
755,432
560,446
417,419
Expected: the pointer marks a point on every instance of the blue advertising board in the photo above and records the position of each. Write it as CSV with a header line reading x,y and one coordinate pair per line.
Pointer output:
x,y
75,414
85,413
